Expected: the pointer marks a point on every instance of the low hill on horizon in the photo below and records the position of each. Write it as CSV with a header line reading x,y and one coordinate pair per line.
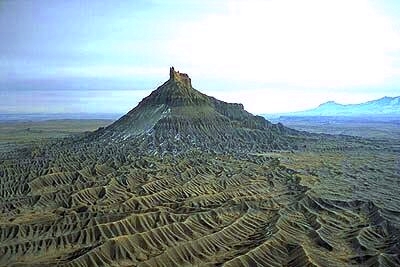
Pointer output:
x,y
373,119
385,106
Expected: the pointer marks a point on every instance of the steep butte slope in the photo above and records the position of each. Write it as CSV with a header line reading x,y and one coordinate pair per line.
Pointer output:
x,y
176,116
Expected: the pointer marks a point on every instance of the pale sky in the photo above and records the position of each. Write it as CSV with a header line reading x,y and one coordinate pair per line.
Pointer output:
x,y
272,55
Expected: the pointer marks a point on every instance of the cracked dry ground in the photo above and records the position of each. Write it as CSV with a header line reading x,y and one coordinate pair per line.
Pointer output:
x,y
106,206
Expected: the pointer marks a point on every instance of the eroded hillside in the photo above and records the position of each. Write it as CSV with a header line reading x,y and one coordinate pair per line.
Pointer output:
x,y
169,186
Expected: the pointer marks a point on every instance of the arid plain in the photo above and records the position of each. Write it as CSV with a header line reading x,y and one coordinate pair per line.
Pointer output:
x,y
184,179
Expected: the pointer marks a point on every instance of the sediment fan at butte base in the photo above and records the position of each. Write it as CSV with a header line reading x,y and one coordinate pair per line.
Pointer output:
x,y
176,117
184,179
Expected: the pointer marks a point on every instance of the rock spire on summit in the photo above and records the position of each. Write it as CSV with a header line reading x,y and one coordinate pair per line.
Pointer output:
x,y
180,77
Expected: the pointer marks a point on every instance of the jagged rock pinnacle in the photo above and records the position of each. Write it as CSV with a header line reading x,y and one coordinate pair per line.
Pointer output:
x,y
180,77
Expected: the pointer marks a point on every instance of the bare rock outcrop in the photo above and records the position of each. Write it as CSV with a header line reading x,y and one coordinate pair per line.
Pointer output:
x,y
180,77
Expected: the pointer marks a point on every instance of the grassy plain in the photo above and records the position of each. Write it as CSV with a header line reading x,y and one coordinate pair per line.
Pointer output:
x,y
17,133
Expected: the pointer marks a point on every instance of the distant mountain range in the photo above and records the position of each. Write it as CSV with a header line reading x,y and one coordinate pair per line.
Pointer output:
x,y
386,106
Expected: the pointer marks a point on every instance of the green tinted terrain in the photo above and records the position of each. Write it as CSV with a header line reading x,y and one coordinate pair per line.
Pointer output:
x,y
13,134
168,186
